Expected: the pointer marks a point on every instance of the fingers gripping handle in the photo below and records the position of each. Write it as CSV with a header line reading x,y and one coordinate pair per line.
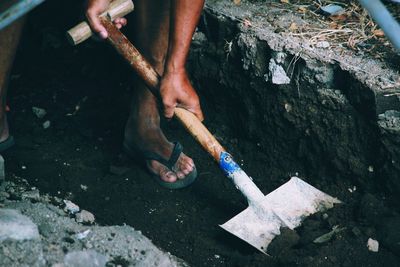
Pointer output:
x,y
82,31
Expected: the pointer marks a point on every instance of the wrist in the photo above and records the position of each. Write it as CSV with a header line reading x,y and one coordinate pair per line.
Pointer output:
x,y
174,70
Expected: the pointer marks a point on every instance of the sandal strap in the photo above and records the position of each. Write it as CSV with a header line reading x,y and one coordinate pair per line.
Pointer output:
x,y
169,163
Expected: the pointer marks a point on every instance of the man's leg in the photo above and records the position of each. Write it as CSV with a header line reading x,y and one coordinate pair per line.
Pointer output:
x,y
9,38
151,25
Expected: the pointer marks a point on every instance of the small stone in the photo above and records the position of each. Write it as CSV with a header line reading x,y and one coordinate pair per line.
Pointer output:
x,y
280,57
288,107
46,124
70,207
370,168
39,112
277,73
328,236
352,189
332,9
32,195
83,234
323,44
84,217
84,187
373,245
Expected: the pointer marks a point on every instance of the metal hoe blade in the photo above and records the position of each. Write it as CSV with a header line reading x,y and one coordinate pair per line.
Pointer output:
x,y
286,206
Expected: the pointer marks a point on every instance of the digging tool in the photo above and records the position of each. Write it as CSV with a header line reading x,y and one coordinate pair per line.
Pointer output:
x,y
262,220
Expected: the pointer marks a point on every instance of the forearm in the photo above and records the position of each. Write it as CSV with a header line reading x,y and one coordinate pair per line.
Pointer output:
x,y
185,15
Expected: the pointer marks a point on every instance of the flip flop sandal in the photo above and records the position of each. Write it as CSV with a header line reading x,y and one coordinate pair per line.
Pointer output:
x,y
169,163
6,144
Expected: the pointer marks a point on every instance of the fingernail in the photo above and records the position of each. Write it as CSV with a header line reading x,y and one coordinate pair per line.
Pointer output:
x,y
170,175
103,34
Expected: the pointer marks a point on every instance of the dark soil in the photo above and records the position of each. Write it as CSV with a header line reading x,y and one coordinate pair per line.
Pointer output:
x,y
86,91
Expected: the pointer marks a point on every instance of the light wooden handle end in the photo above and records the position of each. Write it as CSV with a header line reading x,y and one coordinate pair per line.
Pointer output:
x,y
82,31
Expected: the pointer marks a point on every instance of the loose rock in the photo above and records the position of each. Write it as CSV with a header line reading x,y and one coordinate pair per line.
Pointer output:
x,y
323,44
46,124
328,236
32,195
39,112
278,74
373,245
71,207
84,217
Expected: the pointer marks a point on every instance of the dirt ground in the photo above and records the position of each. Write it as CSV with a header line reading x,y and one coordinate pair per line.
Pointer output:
x,y
86,90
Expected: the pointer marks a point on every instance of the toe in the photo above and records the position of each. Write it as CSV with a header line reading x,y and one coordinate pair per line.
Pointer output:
x,y
168,176
163,172
189,161
187,168
180,174
184,166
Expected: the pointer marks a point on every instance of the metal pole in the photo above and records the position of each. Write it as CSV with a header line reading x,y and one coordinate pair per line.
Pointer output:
x,y
384,19
17,10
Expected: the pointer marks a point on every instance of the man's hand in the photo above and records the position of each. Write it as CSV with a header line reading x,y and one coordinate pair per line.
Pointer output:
x,y
94,9
177,91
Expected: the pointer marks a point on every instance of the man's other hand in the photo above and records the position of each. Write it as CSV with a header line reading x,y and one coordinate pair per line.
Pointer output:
x,y
177,91
94,9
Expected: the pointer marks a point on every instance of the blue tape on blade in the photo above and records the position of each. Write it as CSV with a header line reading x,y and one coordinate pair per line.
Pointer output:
x,y
227,164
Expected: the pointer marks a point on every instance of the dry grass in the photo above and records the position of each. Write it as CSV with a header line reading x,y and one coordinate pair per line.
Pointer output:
x,y
353,28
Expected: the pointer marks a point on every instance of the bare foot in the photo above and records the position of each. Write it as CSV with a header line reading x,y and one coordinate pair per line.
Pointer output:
x,y
145,135
183,166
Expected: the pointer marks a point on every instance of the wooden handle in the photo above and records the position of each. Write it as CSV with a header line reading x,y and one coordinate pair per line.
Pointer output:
x,y
82,31
197,129
151,78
